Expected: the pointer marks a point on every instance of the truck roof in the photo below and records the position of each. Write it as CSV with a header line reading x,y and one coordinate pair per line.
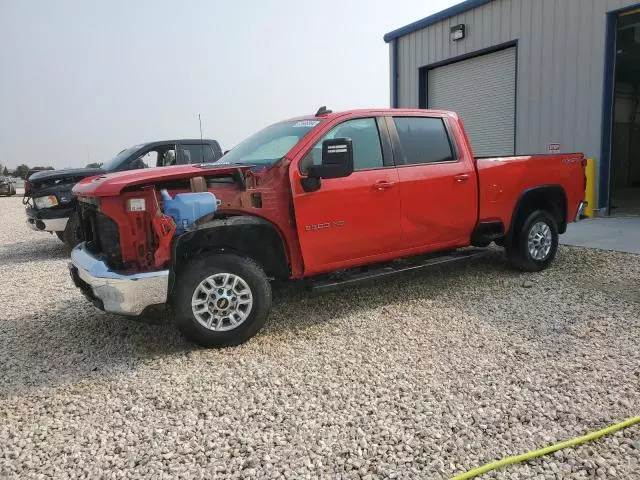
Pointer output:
x,y
186,141
359,112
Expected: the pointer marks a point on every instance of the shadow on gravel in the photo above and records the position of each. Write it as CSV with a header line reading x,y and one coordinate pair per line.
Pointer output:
x,y
295,309
33,251
73,342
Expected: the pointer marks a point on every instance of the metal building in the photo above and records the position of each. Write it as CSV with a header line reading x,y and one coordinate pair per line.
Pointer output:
x,y
533,76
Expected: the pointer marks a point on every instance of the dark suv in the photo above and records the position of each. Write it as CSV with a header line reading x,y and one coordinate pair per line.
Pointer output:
x,y
51,207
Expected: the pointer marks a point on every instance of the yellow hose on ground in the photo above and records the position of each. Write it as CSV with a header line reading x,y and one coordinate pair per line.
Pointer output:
x,y
546,450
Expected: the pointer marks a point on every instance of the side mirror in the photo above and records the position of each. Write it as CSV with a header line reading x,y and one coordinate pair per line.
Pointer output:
x,y
337,159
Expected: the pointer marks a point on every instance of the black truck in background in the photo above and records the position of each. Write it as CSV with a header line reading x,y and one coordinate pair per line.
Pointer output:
x,y
51,207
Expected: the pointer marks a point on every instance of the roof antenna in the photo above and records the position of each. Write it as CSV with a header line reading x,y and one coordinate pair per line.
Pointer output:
x,y
322,111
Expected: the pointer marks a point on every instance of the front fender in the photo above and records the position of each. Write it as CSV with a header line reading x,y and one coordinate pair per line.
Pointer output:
x,y
244,235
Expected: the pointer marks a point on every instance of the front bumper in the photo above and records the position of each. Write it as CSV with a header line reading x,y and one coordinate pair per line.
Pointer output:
x,y
124,294
48,219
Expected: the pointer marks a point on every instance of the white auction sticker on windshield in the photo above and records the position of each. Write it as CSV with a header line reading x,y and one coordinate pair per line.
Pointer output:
x,y
306,123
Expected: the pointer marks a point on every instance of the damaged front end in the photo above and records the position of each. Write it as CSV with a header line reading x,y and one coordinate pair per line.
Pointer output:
x,y
49,199
127,275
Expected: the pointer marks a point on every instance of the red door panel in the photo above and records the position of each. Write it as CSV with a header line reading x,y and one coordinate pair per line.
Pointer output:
x,y
348,218
439,204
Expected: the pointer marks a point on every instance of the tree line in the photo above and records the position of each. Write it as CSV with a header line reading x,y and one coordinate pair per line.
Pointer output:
x,y
20,171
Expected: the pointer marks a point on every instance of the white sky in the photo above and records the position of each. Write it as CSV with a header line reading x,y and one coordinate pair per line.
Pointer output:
x,y
84,79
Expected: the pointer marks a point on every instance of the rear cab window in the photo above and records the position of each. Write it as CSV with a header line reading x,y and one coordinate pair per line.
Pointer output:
x,y
195,153
423,140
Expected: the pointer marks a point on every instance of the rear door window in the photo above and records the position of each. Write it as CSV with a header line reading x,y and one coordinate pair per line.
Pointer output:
x,y
196,154
423,140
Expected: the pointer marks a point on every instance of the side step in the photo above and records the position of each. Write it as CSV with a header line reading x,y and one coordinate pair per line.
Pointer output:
x,y
348,277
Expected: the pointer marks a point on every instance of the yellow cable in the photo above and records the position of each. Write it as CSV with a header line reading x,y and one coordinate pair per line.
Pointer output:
x,y
546,450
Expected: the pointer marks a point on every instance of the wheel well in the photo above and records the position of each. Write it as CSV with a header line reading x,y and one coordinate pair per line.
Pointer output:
x,y
248,236
551,198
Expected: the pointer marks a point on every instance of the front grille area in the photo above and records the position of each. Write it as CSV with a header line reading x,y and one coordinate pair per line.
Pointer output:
x,y
101,234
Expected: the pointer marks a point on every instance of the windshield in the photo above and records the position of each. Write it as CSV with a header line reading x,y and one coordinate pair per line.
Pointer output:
x,y
116,161
268,145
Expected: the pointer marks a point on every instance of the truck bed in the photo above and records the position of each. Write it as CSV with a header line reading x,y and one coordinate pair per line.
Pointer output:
x,y
503,180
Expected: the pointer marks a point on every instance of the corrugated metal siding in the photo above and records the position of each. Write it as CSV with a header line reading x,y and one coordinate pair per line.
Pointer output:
x,y
486,107
560,64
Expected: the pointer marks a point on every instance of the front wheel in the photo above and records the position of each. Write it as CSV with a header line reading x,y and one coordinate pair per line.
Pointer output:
x,y
534,244
221,300
72,234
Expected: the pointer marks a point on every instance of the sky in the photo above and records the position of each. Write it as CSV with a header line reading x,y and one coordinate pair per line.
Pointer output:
x,y
81,80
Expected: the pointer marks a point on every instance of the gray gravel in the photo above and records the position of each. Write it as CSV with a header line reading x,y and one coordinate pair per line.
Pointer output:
x,y
422,376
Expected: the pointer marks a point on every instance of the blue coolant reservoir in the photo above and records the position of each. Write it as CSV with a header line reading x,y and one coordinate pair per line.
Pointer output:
x,y
186,208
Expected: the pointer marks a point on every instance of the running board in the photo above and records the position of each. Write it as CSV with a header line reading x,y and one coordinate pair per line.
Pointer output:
x,y
363,274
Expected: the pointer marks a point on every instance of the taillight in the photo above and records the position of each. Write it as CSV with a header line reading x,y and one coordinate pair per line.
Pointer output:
x,y
27,186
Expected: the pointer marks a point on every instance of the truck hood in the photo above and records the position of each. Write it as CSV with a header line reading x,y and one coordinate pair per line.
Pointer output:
x,y
112,184
56,181
50,175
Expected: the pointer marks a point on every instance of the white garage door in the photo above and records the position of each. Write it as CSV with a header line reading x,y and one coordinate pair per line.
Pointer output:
x,y
483,92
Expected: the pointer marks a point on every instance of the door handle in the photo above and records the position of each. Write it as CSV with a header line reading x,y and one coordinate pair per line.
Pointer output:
x,y
382,185
462,177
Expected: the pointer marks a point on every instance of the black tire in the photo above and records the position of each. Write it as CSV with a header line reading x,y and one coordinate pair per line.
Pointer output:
x,y
188,280
483,244
517,249
72,234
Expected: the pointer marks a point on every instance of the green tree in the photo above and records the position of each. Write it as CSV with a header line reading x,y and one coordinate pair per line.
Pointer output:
x,y
94,165
21,171
5,171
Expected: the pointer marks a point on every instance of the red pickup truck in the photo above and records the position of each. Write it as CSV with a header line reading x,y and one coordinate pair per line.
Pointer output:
x,y
331,198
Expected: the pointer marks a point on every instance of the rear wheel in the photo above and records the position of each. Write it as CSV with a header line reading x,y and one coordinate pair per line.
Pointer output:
x,y
534,243
72,234
221,300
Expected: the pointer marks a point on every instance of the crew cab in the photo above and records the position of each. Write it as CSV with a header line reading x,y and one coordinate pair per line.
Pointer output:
x,y
328,199
51,205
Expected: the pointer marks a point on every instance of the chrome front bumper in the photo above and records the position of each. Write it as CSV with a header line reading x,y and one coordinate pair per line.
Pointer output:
x,y
580,213
114,292
48,225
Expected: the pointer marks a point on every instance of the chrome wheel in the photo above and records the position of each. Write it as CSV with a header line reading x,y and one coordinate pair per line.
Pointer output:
x,y
539,241
222,302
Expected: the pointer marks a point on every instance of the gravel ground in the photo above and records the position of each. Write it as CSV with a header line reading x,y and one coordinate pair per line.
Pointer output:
x,y
421,376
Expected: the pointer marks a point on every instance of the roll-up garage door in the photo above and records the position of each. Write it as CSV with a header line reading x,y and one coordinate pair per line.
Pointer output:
x,y
482,90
